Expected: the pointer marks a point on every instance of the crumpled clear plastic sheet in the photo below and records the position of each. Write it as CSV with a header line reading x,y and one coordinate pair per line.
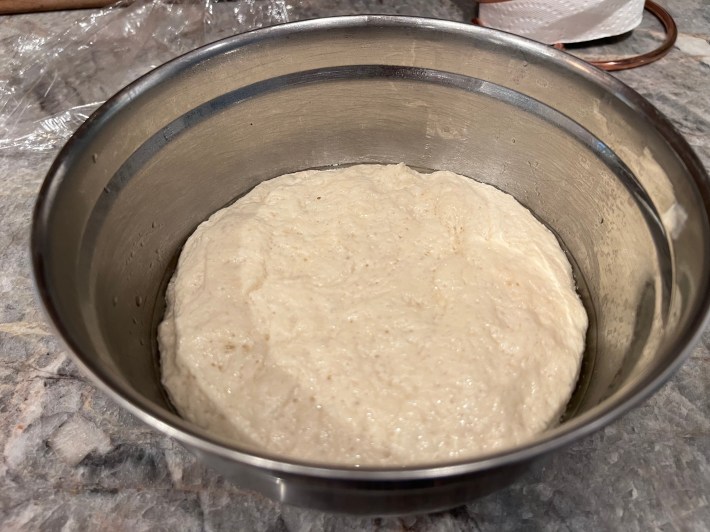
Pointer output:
x,y
50,82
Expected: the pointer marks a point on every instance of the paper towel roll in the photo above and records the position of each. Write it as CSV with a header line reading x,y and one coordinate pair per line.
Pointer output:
x,y
563,21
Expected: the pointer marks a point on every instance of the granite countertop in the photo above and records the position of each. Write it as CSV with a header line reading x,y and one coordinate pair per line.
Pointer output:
x,y
73,460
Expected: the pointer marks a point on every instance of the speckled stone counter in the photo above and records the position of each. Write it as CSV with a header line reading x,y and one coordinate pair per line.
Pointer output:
x,y
73,460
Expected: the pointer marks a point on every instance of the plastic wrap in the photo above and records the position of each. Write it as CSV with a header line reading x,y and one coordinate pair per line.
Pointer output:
x,y
54,81
51,79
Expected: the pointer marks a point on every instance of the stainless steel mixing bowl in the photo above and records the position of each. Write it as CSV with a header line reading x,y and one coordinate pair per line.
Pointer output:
x,y
589,156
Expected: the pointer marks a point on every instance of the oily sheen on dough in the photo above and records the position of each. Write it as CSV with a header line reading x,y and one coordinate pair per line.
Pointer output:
x,y
373,315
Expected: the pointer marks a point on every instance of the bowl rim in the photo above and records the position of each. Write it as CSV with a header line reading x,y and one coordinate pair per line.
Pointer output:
x,y
173,426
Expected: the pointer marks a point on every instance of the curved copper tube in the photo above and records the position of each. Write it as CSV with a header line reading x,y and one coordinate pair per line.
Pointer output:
x,y
649,57
623,63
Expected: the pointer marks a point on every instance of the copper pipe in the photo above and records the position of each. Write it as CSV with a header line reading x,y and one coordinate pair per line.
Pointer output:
x,y
623,63
635,61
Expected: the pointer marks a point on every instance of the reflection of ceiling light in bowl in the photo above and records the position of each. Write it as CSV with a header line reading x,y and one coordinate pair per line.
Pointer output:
x,y
501,17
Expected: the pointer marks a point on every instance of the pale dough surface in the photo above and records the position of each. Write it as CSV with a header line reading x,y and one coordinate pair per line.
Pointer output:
x,y
373,315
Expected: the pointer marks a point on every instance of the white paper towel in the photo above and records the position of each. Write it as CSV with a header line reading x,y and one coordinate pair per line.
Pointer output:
x,y
563,21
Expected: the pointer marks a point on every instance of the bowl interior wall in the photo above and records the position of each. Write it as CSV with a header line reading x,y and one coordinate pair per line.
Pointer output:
x,y
158,199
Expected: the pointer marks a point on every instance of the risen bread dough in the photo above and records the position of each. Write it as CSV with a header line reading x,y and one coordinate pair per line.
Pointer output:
x,y
373,315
